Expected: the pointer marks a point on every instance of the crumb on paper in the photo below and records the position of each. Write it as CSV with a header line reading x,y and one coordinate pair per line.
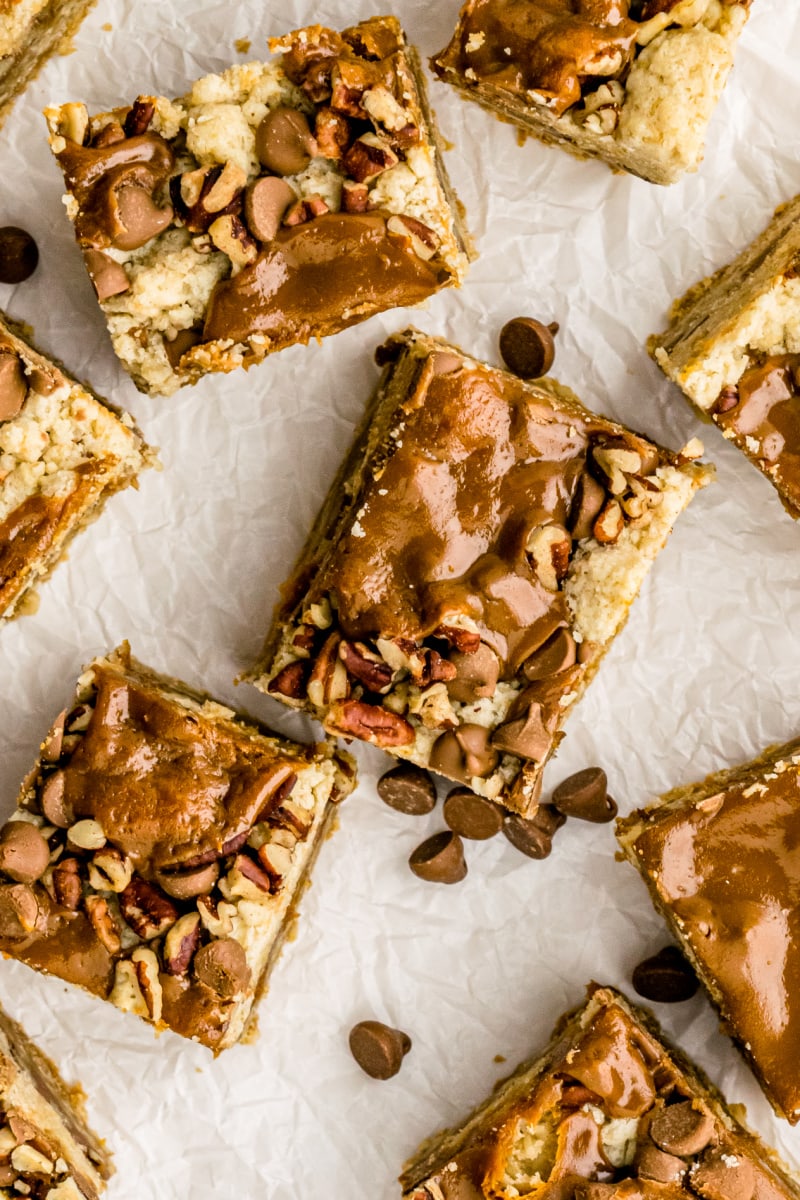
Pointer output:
x,y
242,45
107,26
499,1058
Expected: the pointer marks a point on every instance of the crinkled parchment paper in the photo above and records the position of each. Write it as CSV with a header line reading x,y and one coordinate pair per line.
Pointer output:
x,y
704,675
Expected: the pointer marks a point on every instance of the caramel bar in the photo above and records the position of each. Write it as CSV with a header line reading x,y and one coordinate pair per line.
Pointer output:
x,y
609,1111
733,348
31,31
722,862
46,1149
631,82
475,558
274,203
158,847
63,452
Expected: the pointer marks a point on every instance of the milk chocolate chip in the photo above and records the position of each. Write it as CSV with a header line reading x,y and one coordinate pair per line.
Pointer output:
x,y
265,202
533,836
652,1163
53,803
464,752
13,385
24,853
222,966
476,674
107,275
555,655
176,347
527,736
666,977
585,795
682,1129
527,347
408,789
723,1176
51,746
19,254
472,816
138,216
378,1049
284,143
21,910
440,859
589,498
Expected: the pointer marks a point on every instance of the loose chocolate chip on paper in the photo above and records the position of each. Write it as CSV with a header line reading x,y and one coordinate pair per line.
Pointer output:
x,y
19,254
533,836
378,1049
408,789
440,859
682,1129
527,347
665,977
585,795
472,816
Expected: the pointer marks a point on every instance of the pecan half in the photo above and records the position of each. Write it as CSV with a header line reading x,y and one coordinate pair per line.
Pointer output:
x,y
328,679
146,909
370,723
181,943
102,922
110,870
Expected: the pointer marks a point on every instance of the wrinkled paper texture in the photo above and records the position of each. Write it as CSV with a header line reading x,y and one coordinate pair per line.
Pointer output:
x,y
703,676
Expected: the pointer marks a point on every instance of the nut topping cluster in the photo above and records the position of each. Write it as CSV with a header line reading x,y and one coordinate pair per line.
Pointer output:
x,y
452,665
29,1164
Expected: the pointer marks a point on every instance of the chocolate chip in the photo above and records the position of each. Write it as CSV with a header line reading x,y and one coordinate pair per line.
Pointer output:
x,y
589,498
20,910
476,675
284,143
13,385
585,795
107,275
138,215
53,801
652,1163
533,836
222,966
184,885
378,1049
176,347
682,1129
527,736
408,789
440,859
51,746
527,347
464,753
555,655
24,853
472,816
723,1175
665,977
265,202
19,254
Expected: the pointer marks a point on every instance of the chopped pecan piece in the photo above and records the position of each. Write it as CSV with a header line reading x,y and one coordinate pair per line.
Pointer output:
x,y
355,197
181,943
328,679
349,80
424,241
290,681
610,523
368,157
464,640
67,883
332,132
366,666
370,723
139,116
102,921
146,909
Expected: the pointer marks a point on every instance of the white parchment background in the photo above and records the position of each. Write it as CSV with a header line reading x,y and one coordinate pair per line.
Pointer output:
x,y
704,675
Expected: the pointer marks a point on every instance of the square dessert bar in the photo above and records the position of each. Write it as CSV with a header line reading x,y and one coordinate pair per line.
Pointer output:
x,y
632,82
158,848
475,558
274,203
733,347
31,31
46,1149
63,452
607,1112
722,862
